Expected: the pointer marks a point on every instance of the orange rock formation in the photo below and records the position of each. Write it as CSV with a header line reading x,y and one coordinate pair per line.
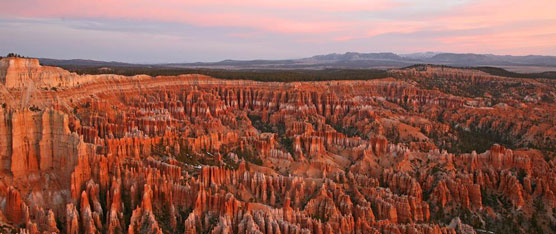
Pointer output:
x,y
194,154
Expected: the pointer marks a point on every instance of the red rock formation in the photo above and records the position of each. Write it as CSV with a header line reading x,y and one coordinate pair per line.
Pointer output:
x,y
191,153
72,219
15,208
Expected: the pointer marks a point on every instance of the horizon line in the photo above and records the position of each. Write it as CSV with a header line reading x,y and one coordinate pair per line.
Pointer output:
x,y
277,59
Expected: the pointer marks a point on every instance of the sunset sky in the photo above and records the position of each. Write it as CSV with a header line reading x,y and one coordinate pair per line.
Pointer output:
x,y
153,31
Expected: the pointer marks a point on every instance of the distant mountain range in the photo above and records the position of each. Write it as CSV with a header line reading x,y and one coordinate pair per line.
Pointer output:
x,y
350,60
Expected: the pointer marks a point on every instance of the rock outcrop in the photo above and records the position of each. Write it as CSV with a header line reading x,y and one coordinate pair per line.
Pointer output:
x,y
195,154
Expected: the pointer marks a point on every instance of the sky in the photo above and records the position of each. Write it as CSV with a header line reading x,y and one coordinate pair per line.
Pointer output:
x,y
159,31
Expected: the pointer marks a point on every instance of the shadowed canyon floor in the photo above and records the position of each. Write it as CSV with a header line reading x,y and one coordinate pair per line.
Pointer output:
x,y
428,150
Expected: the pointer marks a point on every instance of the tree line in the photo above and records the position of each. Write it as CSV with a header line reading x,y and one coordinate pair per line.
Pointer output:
x,y
256,75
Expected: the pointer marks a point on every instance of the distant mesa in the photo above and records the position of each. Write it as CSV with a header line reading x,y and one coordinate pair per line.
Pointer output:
x,y
350,60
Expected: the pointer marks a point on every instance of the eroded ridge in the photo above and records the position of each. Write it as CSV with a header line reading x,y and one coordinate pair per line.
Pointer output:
x,y
194,154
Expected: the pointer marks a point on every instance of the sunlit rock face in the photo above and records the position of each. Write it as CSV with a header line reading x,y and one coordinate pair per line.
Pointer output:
x,y
430,150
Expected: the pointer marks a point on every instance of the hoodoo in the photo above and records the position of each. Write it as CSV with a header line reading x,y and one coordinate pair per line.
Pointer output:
x,y
196,154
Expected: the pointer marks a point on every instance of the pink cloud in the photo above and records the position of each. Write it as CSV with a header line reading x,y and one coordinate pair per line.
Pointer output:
x,y
488,23
495,13
249,13
508,26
